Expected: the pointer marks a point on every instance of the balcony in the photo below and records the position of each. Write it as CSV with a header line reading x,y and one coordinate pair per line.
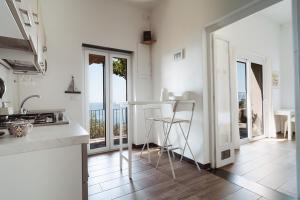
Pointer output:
x,y
98,127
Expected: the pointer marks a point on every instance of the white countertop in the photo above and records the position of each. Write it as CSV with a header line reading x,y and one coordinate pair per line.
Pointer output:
x,y
45,137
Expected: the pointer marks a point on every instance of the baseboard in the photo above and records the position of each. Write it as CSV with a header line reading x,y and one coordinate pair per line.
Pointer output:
x,y
140,146
177,155
202,166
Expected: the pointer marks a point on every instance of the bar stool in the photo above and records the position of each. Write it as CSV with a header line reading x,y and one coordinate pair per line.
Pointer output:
x,y
178,107
152,115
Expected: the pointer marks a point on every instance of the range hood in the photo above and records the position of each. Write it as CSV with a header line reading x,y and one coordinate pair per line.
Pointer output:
x,y
16,45
18,59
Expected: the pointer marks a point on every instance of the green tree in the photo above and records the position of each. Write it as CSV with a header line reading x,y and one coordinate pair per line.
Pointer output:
x,y
120,67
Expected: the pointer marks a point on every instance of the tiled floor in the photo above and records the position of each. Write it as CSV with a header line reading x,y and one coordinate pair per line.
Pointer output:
x,y
269,162
107,182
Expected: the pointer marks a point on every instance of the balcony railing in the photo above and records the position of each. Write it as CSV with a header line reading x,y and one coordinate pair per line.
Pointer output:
x,y
98,123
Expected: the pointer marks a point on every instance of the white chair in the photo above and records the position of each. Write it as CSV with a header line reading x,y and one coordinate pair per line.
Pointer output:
x,y
178,107
152,115
286,125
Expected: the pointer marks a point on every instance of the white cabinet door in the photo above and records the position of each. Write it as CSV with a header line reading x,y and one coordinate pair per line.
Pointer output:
x,y
222,102
7,20
22,11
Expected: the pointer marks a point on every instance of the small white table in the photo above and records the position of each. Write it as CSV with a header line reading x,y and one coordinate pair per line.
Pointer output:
x,y
287,113
130,105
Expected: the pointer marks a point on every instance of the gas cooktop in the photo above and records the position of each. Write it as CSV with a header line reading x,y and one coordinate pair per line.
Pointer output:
x,y
37,119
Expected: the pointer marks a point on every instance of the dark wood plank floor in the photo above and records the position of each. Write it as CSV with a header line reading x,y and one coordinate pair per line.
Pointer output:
x,y
107,182
269,162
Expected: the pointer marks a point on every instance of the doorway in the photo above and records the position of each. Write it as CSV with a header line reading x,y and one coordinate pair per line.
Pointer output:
x,y
260,107
106,85
250,97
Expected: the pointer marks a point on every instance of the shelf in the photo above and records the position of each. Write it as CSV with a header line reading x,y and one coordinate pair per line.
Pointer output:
x,y
149,42
72,92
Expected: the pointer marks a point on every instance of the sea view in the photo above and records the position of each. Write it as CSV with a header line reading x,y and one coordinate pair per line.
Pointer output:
x,y
97,111
99,106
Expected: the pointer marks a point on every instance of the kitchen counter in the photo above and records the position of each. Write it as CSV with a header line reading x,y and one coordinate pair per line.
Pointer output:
x,y
45,137
49,163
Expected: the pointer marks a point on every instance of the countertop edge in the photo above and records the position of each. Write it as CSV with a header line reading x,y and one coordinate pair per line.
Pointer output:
x,y
15,148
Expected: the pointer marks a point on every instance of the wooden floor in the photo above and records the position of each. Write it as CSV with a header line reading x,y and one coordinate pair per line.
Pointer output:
x,y
269,162
107,182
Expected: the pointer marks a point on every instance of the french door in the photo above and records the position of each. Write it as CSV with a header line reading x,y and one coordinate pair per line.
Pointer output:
x,y
224,152
106,85
250,94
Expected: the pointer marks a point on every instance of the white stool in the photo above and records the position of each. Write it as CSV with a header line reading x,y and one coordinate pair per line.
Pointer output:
x,y
179,106
152,115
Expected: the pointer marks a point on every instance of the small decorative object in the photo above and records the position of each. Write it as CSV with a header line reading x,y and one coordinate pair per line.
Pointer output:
x,y
164,94
19,128
72,89
275,79
178,55
147,38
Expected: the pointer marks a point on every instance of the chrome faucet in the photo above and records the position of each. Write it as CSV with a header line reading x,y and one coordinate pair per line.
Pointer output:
x,y
23,110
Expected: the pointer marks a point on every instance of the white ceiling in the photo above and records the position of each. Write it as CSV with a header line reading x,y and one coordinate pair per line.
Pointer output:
x,y
144,4
281,12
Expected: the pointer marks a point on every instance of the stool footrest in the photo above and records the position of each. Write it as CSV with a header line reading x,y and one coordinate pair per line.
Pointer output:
x,y
172,149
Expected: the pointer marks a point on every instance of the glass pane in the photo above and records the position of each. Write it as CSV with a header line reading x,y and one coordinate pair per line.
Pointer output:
x,y
242,98
97,101
119,94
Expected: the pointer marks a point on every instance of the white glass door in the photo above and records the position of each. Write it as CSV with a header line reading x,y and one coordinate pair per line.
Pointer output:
x,y
106,80
97,99
251,99
119,93
242,96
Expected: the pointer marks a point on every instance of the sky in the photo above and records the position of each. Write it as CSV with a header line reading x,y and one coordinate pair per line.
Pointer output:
x,y
241,76
96,85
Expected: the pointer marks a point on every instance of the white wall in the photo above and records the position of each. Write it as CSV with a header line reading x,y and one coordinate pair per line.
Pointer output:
x,y
259,36
179,24
176,24
70,23
264,37
287,84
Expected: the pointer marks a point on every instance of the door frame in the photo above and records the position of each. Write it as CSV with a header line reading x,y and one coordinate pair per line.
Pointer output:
x,y
208,90
208,100
107,93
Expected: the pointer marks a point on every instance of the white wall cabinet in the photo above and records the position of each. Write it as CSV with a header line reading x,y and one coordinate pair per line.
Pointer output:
x,y
28,16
